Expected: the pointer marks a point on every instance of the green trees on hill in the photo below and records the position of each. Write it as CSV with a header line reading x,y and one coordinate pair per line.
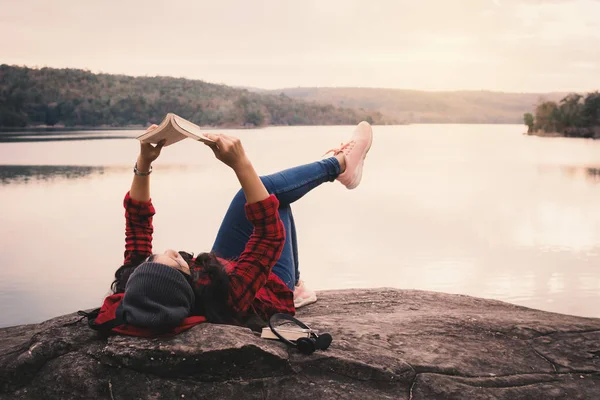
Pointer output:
x,y
74,97
573,116
590,112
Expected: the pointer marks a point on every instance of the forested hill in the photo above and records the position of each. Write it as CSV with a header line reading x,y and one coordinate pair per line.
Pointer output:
x,y
413,106
73,97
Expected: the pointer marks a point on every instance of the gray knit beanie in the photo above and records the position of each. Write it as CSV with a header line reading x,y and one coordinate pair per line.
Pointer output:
x,y
156,295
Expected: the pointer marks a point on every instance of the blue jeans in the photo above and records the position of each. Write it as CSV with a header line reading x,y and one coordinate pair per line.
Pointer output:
x,y
289,186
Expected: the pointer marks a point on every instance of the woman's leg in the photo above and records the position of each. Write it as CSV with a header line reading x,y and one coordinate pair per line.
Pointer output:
x,y
288,185
236,230
291,184
294,241
286,268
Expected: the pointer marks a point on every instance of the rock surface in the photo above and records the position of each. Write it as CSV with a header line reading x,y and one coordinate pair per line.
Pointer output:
x,y
388,344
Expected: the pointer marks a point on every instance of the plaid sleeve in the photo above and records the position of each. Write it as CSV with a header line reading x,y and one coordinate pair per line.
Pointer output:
x,y
138,228
262,251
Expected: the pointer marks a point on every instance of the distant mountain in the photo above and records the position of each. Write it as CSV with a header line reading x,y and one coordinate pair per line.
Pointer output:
x,y
412,106
73,97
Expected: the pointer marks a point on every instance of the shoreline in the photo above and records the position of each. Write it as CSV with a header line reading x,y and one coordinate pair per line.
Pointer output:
x,y
44,128
575,133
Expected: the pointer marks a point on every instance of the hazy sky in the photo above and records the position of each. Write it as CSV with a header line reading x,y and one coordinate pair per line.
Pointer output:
x,y
509,45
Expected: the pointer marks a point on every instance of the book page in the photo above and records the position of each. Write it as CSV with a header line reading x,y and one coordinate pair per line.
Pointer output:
x,y
191,128
167,132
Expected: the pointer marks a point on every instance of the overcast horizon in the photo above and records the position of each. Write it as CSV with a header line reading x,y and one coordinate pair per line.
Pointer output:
x,y
520,46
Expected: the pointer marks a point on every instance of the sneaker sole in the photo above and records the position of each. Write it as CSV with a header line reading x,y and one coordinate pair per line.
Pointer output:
x,y
358,173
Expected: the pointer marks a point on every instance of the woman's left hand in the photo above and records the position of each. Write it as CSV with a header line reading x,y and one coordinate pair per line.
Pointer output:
x,y
148,152
228,149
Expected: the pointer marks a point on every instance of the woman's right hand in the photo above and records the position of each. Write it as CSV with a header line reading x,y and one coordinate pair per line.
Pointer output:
x,y
228,149
148,152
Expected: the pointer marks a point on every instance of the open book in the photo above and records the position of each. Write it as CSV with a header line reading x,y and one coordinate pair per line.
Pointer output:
x,y
174,128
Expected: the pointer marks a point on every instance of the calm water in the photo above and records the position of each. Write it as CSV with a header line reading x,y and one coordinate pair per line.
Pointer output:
x,y
473,209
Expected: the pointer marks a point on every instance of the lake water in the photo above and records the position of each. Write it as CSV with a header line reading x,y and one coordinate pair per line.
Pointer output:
x,y
473,209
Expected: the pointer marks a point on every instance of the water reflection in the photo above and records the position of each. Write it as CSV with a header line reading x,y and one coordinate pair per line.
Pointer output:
x,y
19,174
589,173
62,135
23,174
24,139
593,174
59,131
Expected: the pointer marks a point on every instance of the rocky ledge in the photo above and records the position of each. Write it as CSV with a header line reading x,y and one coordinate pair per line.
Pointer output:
x,y
388,344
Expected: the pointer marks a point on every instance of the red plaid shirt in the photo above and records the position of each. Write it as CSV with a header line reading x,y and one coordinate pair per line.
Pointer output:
x,y
253,286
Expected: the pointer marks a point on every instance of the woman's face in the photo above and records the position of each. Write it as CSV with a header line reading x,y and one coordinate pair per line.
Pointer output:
x,y
172,259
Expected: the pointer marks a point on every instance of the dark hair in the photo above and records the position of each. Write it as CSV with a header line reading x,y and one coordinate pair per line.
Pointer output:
x,y
124,272
211,298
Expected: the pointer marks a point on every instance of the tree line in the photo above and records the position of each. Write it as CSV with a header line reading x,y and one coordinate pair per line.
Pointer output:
x,y
74,97
574,116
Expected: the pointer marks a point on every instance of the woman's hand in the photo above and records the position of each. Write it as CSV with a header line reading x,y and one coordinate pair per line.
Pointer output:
x,y
229,150
140,187
148,152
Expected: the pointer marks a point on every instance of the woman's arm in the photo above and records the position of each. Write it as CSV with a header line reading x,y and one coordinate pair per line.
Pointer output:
x,y
252,268
138,207
264,247
252,186
229,150
140,187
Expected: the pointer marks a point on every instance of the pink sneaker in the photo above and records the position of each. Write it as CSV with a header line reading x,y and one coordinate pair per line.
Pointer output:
x,y
303,296
355,152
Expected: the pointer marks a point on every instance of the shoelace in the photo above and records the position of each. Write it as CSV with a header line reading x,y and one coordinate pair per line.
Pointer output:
x,y
345,148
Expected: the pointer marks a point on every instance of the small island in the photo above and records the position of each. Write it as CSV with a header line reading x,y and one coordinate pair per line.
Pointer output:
x,y
574,116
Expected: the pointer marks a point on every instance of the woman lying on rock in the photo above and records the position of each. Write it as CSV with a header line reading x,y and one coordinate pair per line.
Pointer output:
x,y
252,269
